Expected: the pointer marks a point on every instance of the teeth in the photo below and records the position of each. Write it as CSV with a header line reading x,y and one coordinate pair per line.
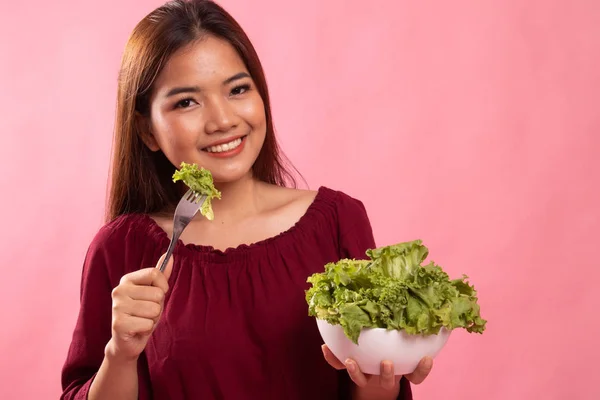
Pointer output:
x,y
224,147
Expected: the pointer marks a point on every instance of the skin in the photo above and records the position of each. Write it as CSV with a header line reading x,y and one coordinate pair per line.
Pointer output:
x,y
220,103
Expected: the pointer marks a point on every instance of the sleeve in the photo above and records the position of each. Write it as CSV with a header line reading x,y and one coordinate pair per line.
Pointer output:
x,y
92,330
355,238
354,227
102,269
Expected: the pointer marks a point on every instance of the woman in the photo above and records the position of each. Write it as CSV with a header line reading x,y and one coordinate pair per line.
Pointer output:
x,y
227,319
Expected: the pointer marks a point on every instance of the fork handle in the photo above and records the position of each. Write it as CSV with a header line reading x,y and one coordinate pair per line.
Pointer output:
x,y
174,239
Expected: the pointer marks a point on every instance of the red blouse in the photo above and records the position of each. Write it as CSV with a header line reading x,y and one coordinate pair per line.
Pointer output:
x,y
235,323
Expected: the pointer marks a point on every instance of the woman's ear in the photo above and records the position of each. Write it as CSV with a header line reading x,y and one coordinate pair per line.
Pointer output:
x,y
143,125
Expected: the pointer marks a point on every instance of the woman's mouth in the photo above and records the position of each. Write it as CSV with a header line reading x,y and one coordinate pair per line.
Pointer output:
x,y
226,149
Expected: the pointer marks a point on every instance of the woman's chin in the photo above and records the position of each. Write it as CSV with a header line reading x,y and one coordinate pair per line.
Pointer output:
x,y
225,178
229,171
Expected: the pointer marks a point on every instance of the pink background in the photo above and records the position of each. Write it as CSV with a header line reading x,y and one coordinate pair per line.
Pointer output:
x,y
473,125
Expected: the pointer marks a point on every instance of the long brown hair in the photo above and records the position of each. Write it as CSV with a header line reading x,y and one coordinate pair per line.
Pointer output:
x,y
141,179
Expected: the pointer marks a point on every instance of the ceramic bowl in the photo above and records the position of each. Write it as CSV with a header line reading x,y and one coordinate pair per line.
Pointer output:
x,y
377,344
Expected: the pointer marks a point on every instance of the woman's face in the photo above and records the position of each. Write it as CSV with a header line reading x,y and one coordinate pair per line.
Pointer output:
x,y
205,109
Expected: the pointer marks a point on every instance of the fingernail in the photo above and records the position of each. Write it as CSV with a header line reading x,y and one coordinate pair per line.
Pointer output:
x,y
350,365
387,368
428,362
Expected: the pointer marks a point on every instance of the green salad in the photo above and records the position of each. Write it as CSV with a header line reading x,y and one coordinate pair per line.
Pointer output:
x,y
392,290
200,181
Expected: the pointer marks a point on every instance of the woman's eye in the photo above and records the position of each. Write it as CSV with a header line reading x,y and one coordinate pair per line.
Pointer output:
x,y
185,103
240,89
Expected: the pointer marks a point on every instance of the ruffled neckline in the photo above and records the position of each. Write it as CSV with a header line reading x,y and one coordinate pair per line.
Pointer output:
x,y
323,196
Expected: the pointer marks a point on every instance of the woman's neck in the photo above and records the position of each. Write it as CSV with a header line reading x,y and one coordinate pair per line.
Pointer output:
x,y
239,199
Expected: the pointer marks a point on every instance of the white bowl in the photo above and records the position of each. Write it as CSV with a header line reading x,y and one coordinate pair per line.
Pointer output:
x,y
377,344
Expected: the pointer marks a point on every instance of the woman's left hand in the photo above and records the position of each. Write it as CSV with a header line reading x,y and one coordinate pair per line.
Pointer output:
x,y
387,380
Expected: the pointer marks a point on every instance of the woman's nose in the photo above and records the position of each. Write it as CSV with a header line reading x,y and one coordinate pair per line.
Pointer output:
x,y
221,116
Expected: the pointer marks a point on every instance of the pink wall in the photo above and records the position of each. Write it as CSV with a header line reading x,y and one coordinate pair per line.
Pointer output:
x,y
473,125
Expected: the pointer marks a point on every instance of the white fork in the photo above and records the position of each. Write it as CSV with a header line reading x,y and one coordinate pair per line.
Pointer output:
x,y
186,210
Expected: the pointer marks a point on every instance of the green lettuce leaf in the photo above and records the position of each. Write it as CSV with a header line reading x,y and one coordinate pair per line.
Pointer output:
x,y
200,181
393,290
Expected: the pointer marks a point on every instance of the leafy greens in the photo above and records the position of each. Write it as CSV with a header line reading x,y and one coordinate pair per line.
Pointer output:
x,y
392,290
200,181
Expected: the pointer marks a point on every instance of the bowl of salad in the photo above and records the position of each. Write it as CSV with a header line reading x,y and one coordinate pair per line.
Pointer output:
x,y
390,307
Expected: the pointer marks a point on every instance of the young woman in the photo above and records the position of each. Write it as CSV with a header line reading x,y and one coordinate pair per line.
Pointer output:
x,y
228,318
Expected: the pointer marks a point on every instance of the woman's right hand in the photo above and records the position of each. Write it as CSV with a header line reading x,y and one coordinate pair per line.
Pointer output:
x,y
137,305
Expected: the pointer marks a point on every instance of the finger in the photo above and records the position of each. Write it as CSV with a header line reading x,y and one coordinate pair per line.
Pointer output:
x,y
331,359
422,371
146,277
146,293
128,325
355,373
387,380
140,308
169,268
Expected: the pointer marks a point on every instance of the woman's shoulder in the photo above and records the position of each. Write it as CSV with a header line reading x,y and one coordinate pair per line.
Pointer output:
x,y
324,198
119,227
285,194
124,244
121,233
343,203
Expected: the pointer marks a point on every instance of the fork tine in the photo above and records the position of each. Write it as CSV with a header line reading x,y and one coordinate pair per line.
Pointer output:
x,y
189,195
194,198
199,199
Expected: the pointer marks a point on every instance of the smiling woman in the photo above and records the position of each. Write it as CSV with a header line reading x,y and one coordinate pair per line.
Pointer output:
x,y
227,319
205,99
162,46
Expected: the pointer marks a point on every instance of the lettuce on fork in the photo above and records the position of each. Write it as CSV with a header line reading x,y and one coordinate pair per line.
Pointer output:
x,y
200,181
394,291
